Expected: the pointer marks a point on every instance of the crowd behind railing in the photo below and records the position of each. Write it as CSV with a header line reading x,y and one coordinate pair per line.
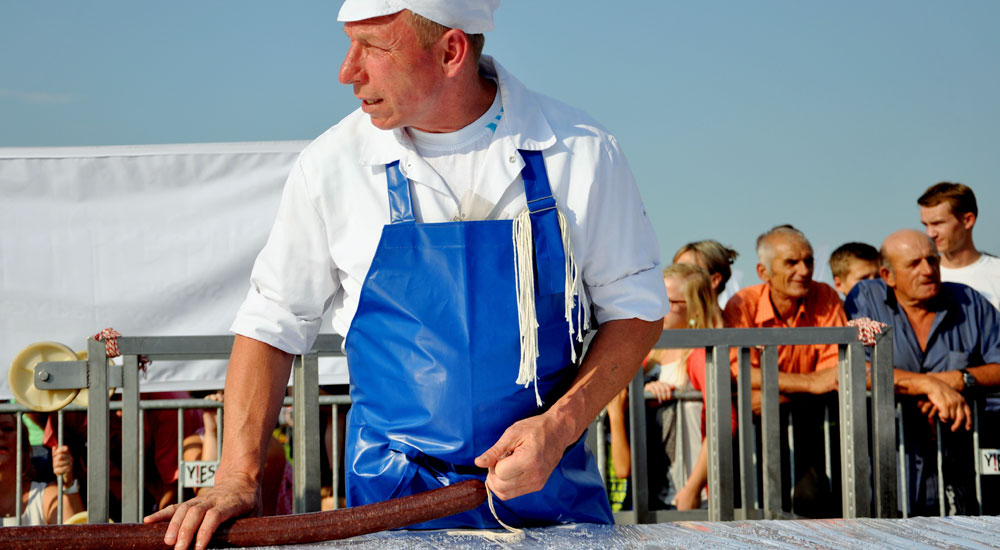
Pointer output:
x,y
775,447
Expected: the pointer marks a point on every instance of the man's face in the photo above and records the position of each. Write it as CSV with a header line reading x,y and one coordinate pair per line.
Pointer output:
x,y
857,270
915,275
792,267
395,78
948,231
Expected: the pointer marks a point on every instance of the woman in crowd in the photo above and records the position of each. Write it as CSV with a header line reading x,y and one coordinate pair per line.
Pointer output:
x,y
693,304
39,500
713,257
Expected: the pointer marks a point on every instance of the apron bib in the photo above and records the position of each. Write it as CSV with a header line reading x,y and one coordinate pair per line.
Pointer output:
x,y
433,354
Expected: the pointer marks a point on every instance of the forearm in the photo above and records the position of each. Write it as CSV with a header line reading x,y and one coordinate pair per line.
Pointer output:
x,y
792,382
255,384
986,376
614,356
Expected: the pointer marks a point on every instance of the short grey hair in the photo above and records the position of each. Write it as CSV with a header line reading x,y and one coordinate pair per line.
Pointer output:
x,y
765,242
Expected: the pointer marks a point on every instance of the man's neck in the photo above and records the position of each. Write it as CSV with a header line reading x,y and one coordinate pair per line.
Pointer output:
x,y
464,105
785,307
967,255
921,315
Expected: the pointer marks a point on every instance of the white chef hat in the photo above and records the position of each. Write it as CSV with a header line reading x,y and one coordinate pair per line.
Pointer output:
x,y
471,16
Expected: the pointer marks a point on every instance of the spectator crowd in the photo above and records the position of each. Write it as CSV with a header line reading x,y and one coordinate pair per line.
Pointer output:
x,y
935,288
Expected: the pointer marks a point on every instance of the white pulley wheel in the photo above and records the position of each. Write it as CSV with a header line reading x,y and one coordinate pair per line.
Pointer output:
x,y
22,377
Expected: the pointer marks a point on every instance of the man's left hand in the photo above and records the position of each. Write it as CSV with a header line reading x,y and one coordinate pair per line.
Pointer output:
x,y
524,457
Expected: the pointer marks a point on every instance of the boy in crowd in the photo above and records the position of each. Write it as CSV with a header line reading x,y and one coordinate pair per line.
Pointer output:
x,y
853,262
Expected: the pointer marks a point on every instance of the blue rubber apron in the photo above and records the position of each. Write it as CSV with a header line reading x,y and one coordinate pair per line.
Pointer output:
x,y
433,354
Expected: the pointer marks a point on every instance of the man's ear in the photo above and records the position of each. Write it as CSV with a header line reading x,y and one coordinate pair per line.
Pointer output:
x,y
762,273
968,220
887,276
839,285
455,51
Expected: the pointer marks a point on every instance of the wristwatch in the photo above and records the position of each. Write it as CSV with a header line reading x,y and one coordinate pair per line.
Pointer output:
x,y
72,489
968,379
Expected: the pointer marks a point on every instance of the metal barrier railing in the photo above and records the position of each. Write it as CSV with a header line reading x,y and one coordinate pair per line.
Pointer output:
x,y
856,471
63,375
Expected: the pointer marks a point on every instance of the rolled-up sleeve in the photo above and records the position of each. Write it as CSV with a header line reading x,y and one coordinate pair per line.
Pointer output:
x,y
622,267
294,277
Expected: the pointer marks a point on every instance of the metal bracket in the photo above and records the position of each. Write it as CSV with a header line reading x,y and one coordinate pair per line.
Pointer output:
x,y
69,375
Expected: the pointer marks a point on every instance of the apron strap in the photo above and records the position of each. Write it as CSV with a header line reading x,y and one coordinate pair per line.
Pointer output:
x,y
550,258
400,204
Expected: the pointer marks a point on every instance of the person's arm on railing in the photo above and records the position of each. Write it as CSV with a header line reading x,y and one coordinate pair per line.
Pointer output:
x,y
942,401
255,385
62,465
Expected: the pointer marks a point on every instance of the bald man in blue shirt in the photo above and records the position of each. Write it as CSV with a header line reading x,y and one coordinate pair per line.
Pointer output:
x,y
946,345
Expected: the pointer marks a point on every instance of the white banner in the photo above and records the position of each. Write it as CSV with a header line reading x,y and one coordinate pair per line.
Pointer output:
x,y
150,240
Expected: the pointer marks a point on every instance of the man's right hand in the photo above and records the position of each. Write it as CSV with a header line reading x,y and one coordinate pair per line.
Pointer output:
x,y
942,401
199,517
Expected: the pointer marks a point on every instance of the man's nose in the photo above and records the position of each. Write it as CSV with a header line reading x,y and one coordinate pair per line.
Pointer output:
x,y
350,68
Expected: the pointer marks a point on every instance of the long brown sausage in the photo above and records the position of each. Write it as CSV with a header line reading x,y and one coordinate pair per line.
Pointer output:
x,y
266,531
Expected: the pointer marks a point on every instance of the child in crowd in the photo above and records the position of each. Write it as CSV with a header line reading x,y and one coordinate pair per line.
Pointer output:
x,y
853,262
39,499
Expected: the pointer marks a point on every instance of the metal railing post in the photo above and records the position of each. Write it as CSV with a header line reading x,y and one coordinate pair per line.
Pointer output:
x,y
720,429
748,447
884,426
770,432
307,443
98,432
855,469
637,439
130,439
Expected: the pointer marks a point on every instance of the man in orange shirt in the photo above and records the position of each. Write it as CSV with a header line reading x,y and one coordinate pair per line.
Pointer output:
x,y
790,298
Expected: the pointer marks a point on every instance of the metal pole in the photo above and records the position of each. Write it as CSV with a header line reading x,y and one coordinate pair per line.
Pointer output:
x,y
180,455
770,430
142,459
975,455
748,472
18,468
98,433
305,411
59,479
855,469
719,436
884,426
940,468
637,437
130,439
904,469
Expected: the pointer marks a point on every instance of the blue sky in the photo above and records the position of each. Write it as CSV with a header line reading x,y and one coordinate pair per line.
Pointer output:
x,y
735,115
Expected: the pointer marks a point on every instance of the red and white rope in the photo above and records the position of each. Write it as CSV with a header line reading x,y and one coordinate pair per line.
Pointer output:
x,y
868,329
110,338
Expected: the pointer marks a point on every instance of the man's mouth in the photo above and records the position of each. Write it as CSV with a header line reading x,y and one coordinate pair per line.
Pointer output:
x,y
371,101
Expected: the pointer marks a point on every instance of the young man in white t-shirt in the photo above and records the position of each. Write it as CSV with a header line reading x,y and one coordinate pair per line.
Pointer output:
x,y
948,212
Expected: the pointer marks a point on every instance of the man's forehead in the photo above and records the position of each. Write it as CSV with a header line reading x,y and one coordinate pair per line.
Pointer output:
x,y
939,211
791,245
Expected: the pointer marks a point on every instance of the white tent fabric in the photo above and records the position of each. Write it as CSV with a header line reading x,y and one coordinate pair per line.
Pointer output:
x,y
152,240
